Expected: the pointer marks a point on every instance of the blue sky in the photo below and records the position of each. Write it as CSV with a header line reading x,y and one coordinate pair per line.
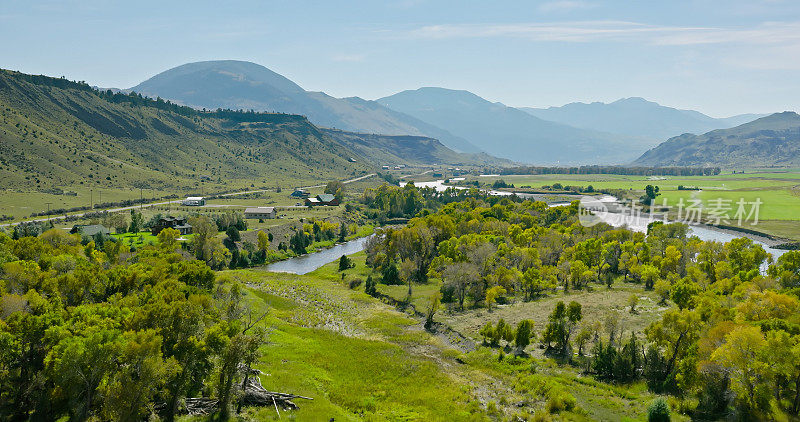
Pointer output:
x,y
718,57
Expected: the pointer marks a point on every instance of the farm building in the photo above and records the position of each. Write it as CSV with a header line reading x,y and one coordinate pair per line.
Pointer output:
x,y
194,201
299,193
322,199
260,212
90,230
177,223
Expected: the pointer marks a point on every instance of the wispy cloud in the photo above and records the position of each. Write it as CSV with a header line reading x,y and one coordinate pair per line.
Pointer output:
x,y
565,6
619,31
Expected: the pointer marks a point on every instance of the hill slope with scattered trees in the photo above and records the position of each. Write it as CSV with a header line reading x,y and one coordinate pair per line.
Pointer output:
x,y
769,141
57,132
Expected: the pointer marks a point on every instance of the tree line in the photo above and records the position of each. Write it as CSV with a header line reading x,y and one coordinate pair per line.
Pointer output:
x,y
728,342
138,100
622,170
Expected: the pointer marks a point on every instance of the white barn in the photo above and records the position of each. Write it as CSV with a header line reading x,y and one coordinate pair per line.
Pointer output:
x,y
194,201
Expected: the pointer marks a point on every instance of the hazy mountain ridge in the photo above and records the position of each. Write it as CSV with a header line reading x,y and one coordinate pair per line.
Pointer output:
x,y
511,133
395,149
244,85
637,117
771,140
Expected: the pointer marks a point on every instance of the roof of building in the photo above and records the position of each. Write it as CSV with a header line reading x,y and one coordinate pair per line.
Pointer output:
x,y
93,229
259,210
171,218
312,200
326,197
194,198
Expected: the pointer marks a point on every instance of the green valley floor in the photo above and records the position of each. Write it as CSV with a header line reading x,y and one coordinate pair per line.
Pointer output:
x,y
361,359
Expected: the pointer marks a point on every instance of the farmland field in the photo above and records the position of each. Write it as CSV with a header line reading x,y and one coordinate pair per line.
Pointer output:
x,y
777,190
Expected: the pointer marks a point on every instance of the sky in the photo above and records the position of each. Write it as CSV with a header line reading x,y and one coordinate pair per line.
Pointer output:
x,y
721,57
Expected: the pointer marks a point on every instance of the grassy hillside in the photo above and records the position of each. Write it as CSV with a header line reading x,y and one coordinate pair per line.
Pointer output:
x,y
64,144
55,133
769,141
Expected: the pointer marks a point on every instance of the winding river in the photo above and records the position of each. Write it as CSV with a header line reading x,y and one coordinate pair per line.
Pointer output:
x,y
306,263
638,224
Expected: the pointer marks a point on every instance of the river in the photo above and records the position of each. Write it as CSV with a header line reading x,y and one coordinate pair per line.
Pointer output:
x,y
618,220
306,263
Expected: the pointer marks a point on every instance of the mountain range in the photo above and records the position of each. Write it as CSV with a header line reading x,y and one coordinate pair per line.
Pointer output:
x,y
773,140
637,117
577,133
512,133
248,86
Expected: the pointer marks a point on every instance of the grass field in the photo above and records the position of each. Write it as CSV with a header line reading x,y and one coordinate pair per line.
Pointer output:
x,y
21,204
137,239
363,360
777,190
352,354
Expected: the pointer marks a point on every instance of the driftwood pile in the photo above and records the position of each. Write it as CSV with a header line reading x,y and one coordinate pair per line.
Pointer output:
x,y
254,394
251,393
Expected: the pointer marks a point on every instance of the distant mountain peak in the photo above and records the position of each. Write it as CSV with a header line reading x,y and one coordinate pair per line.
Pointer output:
x,y
509,132
637,101
636,116
245,85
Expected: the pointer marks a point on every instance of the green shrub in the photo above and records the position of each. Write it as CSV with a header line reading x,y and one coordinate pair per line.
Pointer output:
x,y
658,411
368,404
559,402
540,416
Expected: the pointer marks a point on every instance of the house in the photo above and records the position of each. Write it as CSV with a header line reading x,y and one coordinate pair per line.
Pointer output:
x,y
385,167
194,201
299,193
177,223
323,199
260,212
90,230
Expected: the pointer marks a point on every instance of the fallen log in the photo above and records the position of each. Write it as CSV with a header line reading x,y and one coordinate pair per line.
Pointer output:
x,y
250,393
254,394
200,405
